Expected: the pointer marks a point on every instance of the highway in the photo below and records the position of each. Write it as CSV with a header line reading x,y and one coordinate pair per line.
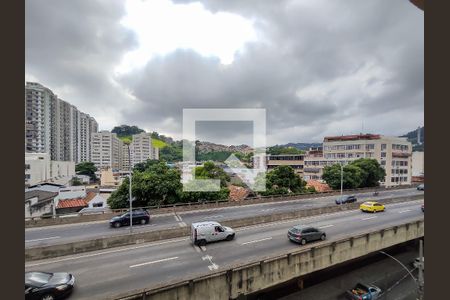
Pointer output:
x,y
59,234
102,274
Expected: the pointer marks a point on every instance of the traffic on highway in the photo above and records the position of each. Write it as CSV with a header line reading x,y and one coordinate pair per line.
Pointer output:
x,y
59,234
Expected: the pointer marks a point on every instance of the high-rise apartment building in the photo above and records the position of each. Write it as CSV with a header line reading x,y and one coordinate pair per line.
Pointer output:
x,y
55,126
106,150
141,149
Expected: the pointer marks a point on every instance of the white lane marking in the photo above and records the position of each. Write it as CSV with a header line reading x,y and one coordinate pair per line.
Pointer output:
x,y
105,252
212,265
403,211
48,238
269,209
257,241
369,218
154,262
326,226
203,248
182,224
176,218
197,249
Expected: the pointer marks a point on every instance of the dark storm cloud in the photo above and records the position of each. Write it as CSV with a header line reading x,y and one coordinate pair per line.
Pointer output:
x,y
73,46
320,67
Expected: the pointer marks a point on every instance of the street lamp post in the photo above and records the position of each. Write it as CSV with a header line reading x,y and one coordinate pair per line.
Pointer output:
x,y
418,281
131,202
342,177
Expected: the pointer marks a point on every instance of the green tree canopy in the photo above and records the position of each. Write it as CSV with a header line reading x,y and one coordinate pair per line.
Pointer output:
x,y
283,180
210,171
86,168
352,176
372,172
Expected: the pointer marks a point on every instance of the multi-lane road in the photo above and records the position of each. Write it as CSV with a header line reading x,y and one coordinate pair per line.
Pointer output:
x,y
51,235
102,274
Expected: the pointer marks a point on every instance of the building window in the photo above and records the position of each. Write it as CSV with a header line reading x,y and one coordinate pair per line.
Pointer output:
x,y
383,147
27,166
383,154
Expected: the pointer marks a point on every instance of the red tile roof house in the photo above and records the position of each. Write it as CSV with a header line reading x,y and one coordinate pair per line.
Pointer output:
x,y
66,206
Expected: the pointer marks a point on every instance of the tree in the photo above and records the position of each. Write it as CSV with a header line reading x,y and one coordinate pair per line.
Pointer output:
x,y
156,185
352,176
372,172
171,153
283,180
142,166
126,130
75,181
86,168
210,171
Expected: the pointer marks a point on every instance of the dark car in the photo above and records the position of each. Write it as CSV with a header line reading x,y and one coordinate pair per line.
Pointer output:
x,y
346,199
139,217
421,187
303,234
48,286
423,207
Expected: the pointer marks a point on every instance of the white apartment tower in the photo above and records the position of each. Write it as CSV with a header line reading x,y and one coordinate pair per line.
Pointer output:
x,y
55,126
141,149
106,150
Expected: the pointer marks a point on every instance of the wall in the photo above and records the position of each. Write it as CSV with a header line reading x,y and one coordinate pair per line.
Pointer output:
x,y
418,168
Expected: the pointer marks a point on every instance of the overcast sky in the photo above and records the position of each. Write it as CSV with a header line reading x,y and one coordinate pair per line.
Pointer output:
x,y
318,67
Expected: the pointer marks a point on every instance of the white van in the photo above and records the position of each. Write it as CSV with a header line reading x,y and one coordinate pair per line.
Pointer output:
x,y
206,232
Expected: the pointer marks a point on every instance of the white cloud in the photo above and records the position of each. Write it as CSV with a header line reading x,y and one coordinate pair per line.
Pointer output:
x,y
163,27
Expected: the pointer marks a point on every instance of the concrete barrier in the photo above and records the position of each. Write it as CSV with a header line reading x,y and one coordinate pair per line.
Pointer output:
x,y
240,280
42,252
38,222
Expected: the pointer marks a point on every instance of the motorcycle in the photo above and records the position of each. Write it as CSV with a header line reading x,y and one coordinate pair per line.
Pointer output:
x,y
376,194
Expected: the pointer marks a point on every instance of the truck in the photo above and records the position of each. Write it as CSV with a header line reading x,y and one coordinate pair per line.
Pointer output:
x,y
363,292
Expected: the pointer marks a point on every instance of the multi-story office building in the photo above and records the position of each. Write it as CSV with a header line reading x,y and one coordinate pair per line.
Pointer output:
x,y
55,126
106,150
296,161
393,154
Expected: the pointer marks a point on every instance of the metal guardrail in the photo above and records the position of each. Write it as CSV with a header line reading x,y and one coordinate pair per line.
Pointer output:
x,y
217,202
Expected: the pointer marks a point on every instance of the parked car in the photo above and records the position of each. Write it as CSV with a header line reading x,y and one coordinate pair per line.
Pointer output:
x,y
48,286
139,216
423,207
346,199
206,232
371,206
421,187
363,292
303,234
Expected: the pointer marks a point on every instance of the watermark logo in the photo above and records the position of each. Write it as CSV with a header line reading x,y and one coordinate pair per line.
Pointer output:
x,y
254,177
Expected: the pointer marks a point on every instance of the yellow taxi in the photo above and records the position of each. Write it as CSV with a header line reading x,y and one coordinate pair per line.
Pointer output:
x,y
371,206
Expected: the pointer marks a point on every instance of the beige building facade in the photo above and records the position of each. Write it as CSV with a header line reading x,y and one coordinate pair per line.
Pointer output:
x,y
393,153
106,150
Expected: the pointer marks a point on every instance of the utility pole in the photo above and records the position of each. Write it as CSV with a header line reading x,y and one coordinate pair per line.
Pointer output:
x,y
342,177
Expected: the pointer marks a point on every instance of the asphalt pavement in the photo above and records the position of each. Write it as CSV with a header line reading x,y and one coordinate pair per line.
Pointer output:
x,y
60,234
103,274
